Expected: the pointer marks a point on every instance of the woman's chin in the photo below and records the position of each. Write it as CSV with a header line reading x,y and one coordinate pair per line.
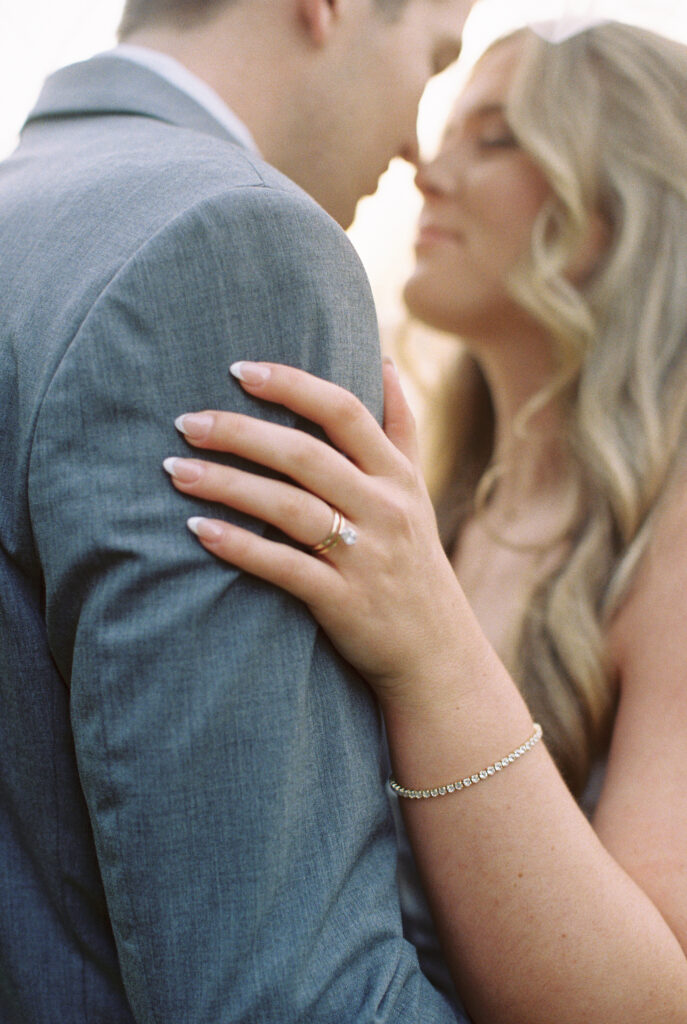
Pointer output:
x,y
418,299
426,306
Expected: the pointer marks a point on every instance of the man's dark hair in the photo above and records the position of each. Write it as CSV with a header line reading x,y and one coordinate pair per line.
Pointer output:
x,y
184,13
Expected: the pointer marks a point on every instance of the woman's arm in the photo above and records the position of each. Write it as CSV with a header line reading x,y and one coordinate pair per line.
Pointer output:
x,y
642,814
540,923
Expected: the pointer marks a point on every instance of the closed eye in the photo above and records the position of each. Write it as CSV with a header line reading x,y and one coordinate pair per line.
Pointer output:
x,y
505,141
491,128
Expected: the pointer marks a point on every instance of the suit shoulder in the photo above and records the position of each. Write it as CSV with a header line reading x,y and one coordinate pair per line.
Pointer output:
x,y
266,227
241,186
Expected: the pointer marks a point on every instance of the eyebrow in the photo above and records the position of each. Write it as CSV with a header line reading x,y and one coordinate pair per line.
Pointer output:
x,y
474,115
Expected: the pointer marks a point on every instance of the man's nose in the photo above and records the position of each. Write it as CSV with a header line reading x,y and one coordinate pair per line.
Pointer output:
x,y
411,152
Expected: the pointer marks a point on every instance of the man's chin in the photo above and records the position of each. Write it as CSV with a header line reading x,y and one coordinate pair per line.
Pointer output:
x,y
344,212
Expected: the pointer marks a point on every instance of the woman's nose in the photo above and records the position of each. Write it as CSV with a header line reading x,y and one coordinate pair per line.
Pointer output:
x,y
435,177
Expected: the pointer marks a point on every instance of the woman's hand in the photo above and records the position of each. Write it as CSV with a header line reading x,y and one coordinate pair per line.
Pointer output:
x,y
511,864
391,601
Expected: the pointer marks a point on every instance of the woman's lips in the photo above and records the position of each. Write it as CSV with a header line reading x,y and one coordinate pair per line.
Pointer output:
x,y
432,234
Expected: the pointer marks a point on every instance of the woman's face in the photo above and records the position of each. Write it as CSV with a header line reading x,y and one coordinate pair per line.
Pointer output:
x,y
482,194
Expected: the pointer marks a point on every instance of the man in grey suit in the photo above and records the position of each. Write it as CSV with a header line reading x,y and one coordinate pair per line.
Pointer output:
x,y
192,819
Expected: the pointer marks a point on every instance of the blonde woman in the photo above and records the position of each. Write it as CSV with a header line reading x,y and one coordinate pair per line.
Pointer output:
x,y
553,241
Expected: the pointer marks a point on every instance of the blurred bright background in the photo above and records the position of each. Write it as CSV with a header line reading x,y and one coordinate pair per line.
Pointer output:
x,y
41,35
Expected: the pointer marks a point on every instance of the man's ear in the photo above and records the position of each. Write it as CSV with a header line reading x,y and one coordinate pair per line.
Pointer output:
x,y
318,18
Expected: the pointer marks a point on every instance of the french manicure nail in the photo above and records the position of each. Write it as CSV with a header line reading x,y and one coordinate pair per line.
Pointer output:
x,y
250,373
184,470
204,528
194,425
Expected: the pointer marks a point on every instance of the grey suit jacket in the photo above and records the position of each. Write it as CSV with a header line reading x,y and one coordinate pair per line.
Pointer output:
x,y
193,826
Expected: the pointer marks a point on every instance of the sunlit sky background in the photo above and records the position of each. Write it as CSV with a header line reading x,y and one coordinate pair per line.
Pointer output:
x,y
40,35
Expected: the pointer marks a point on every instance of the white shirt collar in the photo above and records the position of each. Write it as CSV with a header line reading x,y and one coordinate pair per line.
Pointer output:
x,y
170,69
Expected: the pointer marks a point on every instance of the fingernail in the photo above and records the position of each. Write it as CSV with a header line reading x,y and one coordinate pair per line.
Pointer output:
x,y
389,362
250,373
184,470
204,528
195,425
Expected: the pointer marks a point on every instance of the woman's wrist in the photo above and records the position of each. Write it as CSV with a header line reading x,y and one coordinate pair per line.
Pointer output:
x,y
447,727
446,673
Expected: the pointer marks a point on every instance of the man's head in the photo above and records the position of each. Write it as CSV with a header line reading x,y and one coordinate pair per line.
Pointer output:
x,y
183,13
329,88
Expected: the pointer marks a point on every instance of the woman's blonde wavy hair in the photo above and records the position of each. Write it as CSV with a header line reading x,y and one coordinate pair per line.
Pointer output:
x,y
604,115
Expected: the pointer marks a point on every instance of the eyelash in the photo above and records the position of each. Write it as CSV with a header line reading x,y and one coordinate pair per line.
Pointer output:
x,y
501,142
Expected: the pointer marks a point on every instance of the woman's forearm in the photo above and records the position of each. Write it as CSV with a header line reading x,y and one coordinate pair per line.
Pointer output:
x,y
538,922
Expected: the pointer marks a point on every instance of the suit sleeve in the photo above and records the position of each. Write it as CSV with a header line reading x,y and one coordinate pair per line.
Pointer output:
x,y
211,721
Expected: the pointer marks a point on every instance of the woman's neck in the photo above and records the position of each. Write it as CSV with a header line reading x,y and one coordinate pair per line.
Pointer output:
x,y
531,456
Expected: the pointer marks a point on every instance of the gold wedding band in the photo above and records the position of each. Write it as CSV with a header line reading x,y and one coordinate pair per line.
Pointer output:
x,y
339,530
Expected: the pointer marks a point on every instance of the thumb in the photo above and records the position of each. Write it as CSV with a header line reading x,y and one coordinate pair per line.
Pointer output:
x,y
399,422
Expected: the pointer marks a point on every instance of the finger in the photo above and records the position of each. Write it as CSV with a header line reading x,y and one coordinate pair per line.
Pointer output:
x,y
311,463
348,424
300,574
297,513
399,422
